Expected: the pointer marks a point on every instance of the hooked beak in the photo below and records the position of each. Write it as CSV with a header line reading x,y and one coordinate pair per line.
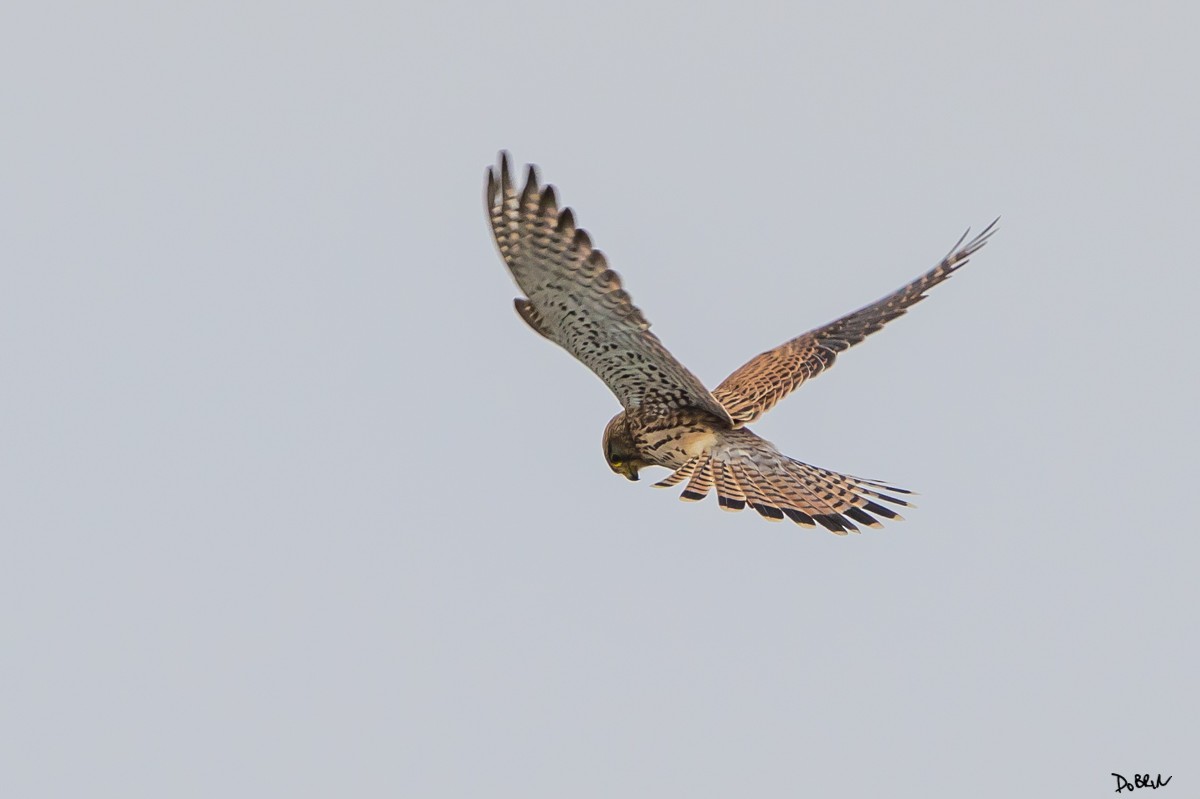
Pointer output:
x,y
630,471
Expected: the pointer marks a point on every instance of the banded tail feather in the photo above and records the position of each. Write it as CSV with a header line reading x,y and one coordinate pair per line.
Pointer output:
x,y
698,487
787,488
756,497
679,475
729,491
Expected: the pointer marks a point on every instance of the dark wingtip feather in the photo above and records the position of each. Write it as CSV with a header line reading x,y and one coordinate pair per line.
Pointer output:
x,y
691,496
957,245
983,237
529,193
958,255
505,173
566,220
489,195
549,202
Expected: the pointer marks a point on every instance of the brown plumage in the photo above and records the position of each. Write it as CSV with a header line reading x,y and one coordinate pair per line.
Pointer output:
x,y
754,388
670,419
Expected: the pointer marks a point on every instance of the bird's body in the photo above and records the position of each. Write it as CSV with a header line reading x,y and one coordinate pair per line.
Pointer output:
x,y
670,419
667,439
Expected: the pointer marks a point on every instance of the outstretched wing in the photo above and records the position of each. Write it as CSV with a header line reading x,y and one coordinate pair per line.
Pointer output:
x,y
577,302
756,387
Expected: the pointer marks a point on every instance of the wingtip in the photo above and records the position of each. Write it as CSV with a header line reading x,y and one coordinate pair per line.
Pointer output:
x,y
566,222
549,201
986,233
957,248
529,195
505,173
963,249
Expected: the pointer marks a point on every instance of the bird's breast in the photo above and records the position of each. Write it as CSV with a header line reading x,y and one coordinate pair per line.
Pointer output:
x,y
675,445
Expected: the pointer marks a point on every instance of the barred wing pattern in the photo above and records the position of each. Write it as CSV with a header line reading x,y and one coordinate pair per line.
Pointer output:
x,y
757,386
748,470
577,302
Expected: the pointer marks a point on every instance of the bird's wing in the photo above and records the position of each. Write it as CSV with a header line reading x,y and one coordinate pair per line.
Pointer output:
x,y
577,302
757,386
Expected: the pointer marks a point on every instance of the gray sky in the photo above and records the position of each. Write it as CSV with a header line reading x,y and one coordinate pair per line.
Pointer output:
x,y
295,505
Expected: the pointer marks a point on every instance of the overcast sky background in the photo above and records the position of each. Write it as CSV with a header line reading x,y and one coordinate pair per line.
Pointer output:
x,y
293,504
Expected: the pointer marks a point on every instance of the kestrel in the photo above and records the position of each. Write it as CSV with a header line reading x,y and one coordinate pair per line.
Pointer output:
x,y
670,419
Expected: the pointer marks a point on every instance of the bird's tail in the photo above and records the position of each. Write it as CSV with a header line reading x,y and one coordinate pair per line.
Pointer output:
x,y
782,486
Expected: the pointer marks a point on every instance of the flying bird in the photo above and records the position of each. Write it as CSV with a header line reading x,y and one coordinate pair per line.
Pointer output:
x,y
669,418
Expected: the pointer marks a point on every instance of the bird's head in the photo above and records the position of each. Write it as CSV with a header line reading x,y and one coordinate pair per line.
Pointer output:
x,y
620,450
